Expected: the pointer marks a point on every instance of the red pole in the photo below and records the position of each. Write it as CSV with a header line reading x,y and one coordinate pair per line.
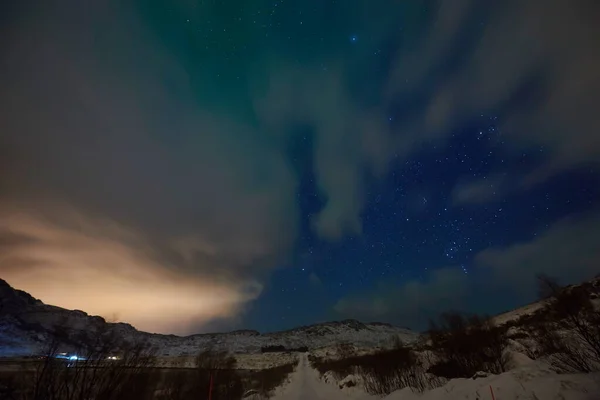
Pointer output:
x,y
210,387
492,392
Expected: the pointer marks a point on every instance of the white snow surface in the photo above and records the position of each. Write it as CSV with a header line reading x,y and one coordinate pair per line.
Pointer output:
x,y
534,381
305,384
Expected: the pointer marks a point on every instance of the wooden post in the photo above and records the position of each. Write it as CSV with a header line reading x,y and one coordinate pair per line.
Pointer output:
x,y
492,392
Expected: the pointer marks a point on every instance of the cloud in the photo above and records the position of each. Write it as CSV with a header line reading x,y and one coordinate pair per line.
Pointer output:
x,y
568,250
412,303
107,269
502,277
349,140
99,121
314,280
479,191
536,70
104,120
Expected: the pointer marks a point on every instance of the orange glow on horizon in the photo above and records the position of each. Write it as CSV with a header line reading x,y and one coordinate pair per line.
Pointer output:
x,y
104,269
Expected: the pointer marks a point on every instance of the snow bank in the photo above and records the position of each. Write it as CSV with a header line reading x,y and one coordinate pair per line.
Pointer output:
x,y
534,381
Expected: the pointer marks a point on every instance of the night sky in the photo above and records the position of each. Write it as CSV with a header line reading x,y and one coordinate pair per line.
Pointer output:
x,y
203,165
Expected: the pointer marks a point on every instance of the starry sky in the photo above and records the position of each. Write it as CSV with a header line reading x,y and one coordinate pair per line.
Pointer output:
x,y
201,165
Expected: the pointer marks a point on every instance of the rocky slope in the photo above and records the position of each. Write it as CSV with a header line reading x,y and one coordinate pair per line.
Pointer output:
x,y
26,325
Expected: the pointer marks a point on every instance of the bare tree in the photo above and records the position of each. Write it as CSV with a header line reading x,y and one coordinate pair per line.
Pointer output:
x,y
92,371
547,286
571,336
465,345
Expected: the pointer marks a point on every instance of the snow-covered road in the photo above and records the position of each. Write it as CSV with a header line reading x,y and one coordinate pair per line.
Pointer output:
x,y
306,385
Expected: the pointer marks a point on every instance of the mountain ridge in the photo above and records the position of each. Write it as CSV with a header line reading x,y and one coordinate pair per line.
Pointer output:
x,y
26,323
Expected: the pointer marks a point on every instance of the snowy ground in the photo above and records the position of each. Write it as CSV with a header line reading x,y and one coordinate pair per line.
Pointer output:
x,y
306,385
534,381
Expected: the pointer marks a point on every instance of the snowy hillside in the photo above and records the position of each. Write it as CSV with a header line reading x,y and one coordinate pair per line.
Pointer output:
x,y
25,323
544,350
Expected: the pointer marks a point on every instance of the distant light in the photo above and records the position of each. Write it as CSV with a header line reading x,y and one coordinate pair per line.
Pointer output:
x,y
353,38
73,358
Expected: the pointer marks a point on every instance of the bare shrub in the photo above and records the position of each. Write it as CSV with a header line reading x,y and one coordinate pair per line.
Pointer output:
x,y
216,369
220,368
571,335
176,386
393,370
547,286
382,372
93,371
339,368
215,361
466,345
194,383
10,386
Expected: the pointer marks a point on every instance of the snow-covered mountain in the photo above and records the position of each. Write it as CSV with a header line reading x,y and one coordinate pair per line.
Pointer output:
x,y
26,324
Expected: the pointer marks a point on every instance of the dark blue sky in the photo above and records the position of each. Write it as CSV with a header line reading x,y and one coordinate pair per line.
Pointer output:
x,y
197,165
412,225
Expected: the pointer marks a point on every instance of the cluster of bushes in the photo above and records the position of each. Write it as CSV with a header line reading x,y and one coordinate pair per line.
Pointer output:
x,y
283,349
569,335
383,372
102,366
216,369
464,345
565,332
227,382
456,346
272,349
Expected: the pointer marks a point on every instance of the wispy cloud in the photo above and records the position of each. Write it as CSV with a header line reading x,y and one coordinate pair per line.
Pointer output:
x,y
480,190
567,250
533,67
